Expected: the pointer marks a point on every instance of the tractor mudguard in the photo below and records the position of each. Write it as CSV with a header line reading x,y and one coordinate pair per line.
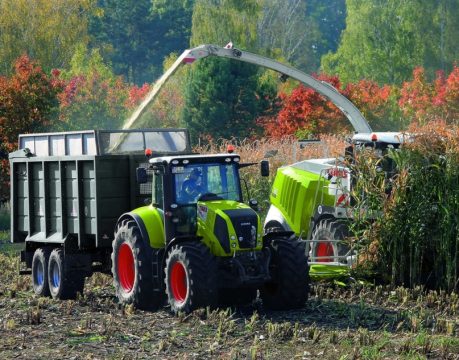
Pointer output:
x,y
150,221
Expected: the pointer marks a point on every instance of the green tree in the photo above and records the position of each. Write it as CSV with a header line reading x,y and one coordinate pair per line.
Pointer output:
x,y
46,30
330,19
223,98
301,31
136,35
446,24
383,40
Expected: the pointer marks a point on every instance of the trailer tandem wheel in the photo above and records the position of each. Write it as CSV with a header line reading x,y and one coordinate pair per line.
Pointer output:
x,y
40,271
64,282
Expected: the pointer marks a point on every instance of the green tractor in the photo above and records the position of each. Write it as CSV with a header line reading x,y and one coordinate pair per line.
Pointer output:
x,y
200,245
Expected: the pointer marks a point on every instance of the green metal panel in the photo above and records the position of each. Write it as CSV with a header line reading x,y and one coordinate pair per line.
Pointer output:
x,y
21,199
113,190
54,197
293,193
82,196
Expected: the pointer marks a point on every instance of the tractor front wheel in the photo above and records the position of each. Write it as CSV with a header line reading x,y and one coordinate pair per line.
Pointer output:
x,y
132,269
289,285
191,277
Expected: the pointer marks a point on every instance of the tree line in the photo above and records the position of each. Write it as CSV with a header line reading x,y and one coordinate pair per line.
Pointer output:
x,y
100,57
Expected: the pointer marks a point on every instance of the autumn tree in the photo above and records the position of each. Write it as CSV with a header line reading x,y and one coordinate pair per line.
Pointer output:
x,y
46,30
378,104
28,103
422,101
93,97
305,113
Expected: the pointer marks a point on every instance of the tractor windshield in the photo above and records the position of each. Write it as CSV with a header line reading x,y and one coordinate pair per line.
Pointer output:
x,y
212,181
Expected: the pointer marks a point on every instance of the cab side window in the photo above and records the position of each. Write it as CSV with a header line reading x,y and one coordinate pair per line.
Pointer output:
x,y
158,190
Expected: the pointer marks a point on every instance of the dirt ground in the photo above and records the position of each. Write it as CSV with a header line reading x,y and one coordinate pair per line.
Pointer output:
x,y
350,322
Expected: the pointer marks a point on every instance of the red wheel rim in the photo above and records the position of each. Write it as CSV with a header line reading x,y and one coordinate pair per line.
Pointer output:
x,y
325,249
178,282
126,270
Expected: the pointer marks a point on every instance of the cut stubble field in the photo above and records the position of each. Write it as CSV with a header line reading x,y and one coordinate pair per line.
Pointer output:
x,y
342,320
337,322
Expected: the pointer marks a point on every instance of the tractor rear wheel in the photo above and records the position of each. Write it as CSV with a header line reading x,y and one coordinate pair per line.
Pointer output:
x,y
329,232
132,269
191,277
289,285
40,271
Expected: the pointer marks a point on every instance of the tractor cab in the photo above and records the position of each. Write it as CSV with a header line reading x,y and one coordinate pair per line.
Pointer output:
x,y
196,192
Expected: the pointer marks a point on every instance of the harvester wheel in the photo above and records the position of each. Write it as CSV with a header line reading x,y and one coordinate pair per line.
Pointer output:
x,y
191,277
329,230
63,282
289,287
132,269
40,271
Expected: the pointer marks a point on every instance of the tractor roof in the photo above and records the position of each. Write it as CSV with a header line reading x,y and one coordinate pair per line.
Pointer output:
x,y
196,158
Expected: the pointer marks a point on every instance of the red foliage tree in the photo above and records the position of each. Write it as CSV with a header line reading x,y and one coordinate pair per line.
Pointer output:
x,y
305,112
136,95
377,103
424,102
92,101
28,103
416,97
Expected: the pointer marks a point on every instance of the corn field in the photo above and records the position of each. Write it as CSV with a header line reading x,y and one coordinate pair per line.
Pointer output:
x,y
410,235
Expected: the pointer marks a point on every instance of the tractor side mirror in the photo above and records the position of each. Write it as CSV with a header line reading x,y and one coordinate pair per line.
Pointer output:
x,y
264,168
141,175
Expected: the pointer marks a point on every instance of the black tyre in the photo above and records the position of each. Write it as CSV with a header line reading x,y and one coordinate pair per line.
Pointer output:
x,y
236,297
132,269
289,286
328,232
191,277
40,272
64,282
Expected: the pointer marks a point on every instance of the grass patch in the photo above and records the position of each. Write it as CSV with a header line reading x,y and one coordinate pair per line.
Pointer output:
x,y
75,338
